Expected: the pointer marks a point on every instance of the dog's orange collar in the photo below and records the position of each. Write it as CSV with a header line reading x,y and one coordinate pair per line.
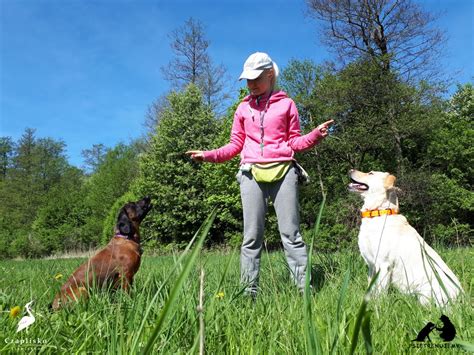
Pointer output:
x,y
378,213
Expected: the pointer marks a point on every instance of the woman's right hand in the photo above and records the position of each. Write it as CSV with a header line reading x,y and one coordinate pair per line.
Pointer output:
x,y
197,155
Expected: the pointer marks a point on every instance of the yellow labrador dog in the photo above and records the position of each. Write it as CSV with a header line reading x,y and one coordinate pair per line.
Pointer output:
x,y
391,246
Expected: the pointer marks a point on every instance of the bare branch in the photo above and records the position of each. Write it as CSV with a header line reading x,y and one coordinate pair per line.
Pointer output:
x,y
192,64
397,34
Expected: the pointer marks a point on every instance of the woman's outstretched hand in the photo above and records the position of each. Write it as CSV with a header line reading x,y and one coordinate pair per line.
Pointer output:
x,y
197,155
324,127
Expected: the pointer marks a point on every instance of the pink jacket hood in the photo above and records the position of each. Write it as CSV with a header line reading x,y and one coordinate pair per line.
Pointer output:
x,y
275,96
281,132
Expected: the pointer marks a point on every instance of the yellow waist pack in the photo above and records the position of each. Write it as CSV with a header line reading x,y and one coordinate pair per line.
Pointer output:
x,y
270,172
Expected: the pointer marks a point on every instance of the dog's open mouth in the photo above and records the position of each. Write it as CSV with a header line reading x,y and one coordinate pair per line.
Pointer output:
x,y
357,186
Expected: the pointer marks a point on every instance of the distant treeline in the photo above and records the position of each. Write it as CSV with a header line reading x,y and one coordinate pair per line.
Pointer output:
x,y
382,123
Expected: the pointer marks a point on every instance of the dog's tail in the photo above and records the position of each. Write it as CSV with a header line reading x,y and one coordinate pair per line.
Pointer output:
x,y
448,282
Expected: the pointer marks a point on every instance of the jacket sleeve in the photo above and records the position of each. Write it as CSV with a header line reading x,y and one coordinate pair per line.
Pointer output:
x,y
296,141
234,147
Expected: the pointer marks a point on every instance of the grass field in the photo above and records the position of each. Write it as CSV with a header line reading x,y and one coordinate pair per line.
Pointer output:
x,y
165,317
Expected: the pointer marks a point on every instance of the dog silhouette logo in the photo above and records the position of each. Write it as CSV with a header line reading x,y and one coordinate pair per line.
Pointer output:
x,y
447,331
424,333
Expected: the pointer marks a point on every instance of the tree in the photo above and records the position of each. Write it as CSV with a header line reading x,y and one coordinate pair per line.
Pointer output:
x,y
60,222
190,49
213,88
154,113
6,151
192,65
112,178
37,165
221,186
94,157
52,161
299,80
451,150
361,99
396,34
34,168
73,212
451,157
434,141
171,178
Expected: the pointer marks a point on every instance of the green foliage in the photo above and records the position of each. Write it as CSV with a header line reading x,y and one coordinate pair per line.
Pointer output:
x,y
222,189
46,205
175,183
299,80
32,167
382,123
451,149
112,179
6,152
111,219
60,221
385,124
94,156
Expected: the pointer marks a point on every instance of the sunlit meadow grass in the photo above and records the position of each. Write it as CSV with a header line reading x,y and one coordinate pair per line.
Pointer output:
x,y
274,323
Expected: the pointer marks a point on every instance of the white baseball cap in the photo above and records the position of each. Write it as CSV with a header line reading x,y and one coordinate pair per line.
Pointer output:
x,y
255,64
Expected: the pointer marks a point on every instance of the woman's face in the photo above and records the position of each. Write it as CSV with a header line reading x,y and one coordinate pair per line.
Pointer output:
x,y
262,84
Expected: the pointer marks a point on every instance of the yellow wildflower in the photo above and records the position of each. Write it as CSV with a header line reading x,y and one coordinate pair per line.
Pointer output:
x,y
58,276
220,295
15,311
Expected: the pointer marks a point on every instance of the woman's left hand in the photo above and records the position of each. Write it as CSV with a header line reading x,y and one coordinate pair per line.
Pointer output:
x,y
324,127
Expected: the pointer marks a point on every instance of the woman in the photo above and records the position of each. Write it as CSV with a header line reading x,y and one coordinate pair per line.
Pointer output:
x,y
266,132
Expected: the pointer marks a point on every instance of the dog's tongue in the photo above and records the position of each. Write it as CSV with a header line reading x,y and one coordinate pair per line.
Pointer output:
x,y
356,186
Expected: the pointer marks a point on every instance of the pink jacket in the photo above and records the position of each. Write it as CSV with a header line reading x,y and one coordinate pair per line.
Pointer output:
x,y
282,134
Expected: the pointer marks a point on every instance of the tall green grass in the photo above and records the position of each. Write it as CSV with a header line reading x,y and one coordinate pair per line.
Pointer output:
x,y
161,313
313,343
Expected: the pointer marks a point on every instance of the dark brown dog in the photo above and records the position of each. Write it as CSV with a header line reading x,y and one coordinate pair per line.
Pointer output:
x,y
114,265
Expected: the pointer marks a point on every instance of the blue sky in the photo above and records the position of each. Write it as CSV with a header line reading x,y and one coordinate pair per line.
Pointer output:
x,y
85,71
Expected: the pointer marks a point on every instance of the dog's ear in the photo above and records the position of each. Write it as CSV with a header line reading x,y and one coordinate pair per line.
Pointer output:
x,y
389,182
123,223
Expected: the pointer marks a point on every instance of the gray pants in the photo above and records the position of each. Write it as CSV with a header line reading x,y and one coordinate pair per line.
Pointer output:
x,y
284,194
